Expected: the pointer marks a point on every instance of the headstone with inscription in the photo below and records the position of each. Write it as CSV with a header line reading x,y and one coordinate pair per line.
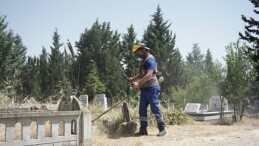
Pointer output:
x,y
65,103
192,107
204,107
215,103
256,104
84,100
101,100
69,103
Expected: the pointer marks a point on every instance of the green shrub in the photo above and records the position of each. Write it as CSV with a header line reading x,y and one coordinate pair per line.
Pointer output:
x,y
175,117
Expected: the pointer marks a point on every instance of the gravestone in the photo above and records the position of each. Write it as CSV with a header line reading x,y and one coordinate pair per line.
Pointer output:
x,y
256,104
69,103
170,105
192,107
101,100
215,104
204,107
84,100
65,104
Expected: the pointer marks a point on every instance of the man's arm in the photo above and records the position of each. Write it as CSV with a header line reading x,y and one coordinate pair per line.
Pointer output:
x,y
132,79
147,76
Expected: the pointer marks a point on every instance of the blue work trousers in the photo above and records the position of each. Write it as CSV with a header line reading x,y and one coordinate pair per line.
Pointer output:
x,y
148,96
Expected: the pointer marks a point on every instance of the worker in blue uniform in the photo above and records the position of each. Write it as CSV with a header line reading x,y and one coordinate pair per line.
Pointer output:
x,y
147,82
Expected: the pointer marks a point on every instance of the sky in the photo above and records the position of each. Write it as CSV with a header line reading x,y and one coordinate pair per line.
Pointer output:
x,y
213,24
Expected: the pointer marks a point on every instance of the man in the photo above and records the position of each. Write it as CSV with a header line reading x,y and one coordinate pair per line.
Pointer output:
x,y
149,87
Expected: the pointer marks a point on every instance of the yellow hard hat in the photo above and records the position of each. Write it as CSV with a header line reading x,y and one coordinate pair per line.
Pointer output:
x,y
139,45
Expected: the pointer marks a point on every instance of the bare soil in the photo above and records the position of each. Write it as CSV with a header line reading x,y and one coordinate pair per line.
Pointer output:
x,y
244,133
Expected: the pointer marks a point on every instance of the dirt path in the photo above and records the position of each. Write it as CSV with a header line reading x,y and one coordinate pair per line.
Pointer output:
x,y
189,135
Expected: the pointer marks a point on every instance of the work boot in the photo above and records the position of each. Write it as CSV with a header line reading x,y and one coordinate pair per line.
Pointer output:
x,y
161,133
141,133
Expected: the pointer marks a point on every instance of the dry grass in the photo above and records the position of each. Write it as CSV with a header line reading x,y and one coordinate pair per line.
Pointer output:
x,y
100,137
199,133
193,130
2,132
5,101
248,122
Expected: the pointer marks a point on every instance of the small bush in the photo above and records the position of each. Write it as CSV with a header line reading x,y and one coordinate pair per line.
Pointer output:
x,y
176,117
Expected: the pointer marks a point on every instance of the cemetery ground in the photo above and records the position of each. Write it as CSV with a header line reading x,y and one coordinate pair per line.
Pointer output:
x,y
243,133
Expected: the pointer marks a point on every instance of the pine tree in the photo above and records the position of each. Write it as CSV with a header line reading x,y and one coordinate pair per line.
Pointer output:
x,y
196,58
199,71
6,40
73,71
130,62
9,44
12,60
15,63
43,73
56,64
65,83
251,36
94,85
30,77
208,63
101,45
160,39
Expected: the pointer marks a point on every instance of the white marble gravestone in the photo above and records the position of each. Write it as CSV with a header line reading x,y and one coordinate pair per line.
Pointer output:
x,y
256,104
192,107
84,99
215,103
101,100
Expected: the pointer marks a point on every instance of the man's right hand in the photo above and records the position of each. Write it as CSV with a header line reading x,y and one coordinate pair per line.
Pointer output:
x,y
135,85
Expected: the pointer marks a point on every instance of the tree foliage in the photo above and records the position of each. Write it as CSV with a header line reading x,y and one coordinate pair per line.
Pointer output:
x,y
94,85
43,73
251,35
161,40
104,57
56,64
12,59
101,45
234,86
